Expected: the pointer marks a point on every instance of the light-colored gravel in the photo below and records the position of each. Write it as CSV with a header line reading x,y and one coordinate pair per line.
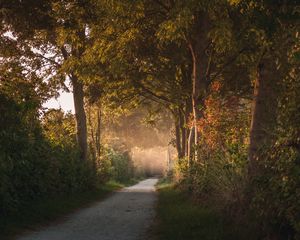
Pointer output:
x,y
126,215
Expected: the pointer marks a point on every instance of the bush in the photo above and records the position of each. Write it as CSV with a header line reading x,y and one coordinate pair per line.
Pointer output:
x,y
276,187
115,165
33,166
276,192
267,201
219,173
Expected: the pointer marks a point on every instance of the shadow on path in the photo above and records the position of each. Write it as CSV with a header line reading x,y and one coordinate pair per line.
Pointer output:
x,y
126,215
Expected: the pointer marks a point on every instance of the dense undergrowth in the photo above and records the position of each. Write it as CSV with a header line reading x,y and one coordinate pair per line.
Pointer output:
x,y
181,216
41,174
265,200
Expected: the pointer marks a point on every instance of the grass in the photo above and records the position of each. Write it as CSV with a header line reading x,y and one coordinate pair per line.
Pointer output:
x,y
178,218
46,211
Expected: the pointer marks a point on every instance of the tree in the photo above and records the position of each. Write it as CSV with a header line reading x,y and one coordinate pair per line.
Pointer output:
x,y
130,64
205,30
271,24
58,35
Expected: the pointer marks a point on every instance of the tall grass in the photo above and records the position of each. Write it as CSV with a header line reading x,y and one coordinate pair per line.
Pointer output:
x,y
180,217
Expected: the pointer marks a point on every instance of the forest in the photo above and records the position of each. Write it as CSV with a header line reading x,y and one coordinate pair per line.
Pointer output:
x,y
216,80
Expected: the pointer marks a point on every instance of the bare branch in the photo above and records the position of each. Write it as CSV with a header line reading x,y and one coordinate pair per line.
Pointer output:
x,y
48,59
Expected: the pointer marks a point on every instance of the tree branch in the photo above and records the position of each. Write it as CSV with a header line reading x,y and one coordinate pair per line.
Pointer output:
x,y
146,90
162,5
64,52
48,59
228,63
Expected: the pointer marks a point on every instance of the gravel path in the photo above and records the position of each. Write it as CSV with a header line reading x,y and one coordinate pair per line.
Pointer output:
x,y
126,215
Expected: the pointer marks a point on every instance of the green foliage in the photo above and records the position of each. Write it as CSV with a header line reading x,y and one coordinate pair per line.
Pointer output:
x,y
276,186
115,165
60,128
129,52
38,162
122,167
219,173
180,217
31,165
276,193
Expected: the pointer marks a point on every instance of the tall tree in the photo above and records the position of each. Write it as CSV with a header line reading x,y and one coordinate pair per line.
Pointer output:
x,y
128,54
272,24
58,35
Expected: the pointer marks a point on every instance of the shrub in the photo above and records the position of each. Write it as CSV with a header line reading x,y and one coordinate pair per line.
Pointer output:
x,y
32,165
115,165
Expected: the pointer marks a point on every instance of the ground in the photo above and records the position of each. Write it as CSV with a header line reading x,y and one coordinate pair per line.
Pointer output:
x,y
125,215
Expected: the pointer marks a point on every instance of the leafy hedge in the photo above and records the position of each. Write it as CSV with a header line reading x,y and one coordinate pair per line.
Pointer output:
x,y
115,165
31,166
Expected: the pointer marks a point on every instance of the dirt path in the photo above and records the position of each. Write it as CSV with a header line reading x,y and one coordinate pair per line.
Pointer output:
x,y
126,215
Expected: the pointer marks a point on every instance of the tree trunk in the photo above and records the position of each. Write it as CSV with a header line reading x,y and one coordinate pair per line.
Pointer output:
x,y
187,133
199,45
190,145
98,132
183,134
80,117
78,96
186,109
93,137
178,139
263,110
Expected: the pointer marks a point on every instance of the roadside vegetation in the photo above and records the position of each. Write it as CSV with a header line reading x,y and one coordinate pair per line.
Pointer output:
x,y
182,216
41,174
